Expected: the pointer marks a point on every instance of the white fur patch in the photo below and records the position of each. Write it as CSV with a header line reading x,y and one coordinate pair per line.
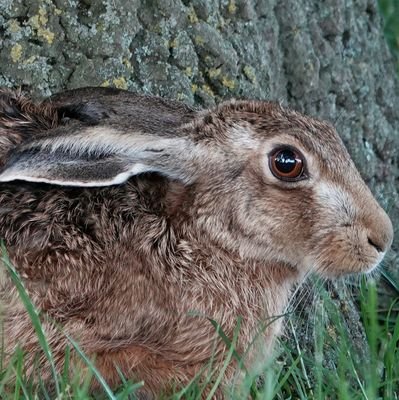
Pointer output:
x,y
335,198
241,137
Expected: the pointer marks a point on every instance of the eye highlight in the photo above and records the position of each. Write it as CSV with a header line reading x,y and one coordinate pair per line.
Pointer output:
x,y
287,164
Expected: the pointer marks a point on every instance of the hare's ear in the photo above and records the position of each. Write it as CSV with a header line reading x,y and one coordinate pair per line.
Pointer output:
x,y
99,156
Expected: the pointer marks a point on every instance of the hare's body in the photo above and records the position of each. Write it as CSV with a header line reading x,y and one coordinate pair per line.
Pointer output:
x,y
135,269
127,296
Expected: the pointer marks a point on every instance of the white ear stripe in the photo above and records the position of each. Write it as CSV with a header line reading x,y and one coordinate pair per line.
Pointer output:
x,y
13,174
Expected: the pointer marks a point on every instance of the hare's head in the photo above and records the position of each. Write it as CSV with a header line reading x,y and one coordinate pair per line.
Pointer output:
x,y
265,181
298,197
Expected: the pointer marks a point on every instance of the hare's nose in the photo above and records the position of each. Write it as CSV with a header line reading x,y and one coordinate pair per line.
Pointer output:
x,y
380,245
380,231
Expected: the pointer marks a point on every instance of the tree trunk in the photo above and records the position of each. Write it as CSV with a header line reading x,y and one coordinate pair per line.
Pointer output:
x,y
328,59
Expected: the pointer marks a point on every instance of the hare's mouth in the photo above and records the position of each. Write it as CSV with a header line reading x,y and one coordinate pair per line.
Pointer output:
x,y
330,269
376,264
337,255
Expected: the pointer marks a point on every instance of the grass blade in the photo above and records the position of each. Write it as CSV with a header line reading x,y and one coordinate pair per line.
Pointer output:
x,y
33,313
93,369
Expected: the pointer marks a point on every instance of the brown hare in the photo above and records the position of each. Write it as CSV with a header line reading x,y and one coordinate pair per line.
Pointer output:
x,y
130,217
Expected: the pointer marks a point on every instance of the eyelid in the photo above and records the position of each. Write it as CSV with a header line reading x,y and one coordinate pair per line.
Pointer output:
x,y
282,146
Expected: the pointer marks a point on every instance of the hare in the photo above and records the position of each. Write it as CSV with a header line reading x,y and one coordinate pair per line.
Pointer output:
x,y
133,220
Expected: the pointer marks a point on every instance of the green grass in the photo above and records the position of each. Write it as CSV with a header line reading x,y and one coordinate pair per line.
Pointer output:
x,y
389,9
292,373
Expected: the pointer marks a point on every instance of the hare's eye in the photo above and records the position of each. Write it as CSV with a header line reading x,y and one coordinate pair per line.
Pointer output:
x,y
286,164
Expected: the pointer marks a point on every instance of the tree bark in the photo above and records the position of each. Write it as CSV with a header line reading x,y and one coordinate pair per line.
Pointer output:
x,y
328,59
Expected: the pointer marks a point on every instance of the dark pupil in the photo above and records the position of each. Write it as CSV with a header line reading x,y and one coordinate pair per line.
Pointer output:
x,y
285,161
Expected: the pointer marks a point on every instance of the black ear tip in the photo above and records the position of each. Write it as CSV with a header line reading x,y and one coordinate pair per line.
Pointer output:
x,y
90,113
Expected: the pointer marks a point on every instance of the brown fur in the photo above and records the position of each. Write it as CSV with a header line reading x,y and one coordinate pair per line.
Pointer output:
x,y
121,267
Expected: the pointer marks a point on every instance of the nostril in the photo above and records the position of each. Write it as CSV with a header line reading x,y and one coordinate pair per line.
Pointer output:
x,y
377,246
